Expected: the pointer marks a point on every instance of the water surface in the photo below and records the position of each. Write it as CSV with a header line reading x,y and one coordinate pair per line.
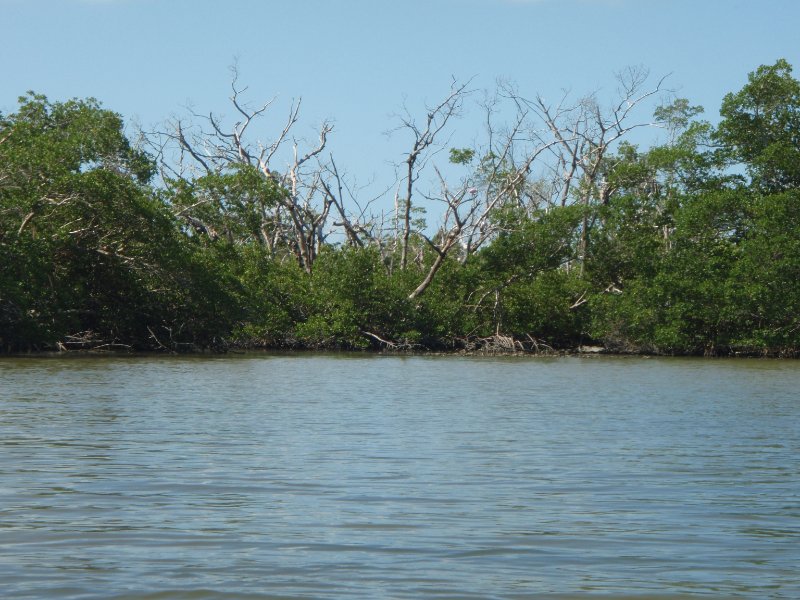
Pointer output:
x,y
333,476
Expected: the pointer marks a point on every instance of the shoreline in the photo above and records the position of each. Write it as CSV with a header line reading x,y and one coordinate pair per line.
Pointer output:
x,y
581,352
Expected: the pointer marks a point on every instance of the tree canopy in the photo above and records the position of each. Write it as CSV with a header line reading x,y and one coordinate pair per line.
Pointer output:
x,y
555,231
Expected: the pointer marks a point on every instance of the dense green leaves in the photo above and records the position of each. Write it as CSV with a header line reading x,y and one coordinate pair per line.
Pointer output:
x,y
91,256
760,127
692,246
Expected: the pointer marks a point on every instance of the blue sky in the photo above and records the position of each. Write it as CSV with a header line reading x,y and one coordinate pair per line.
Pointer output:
x,y
357,61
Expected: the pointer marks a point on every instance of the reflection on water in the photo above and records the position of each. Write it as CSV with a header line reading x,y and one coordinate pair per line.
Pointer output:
x,y
383,477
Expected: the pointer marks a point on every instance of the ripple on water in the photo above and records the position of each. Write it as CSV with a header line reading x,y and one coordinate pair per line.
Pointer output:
x,y
404,477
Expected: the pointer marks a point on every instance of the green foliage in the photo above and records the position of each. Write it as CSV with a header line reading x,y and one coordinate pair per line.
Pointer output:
x,y
461,156
691,247
528,245
352,296
760,127
275,298
232,205
542,307
94,257
73,211
678,115
528,289
446,314
764,287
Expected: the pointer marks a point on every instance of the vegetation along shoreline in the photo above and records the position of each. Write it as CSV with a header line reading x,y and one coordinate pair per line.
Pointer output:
x,y
553,232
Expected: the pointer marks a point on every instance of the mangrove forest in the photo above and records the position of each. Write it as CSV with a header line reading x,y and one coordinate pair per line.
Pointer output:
x,y
556,229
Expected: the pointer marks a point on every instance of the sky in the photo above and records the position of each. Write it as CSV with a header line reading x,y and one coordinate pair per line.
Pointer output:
x,y
359,62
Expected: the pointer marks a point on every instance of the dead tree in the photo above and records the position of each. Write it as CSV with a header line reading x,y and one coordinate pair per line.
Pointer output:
x,y
585,133
544,158
424,139
499,180
302,191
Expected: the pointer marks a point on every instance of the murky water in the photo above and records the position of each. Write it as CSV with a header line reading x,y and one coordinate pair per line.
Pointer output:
x,y
383,477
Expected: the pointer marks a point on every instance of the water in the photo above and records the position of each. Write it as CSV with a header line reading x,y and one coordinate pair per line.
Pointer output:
x,y
387,477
